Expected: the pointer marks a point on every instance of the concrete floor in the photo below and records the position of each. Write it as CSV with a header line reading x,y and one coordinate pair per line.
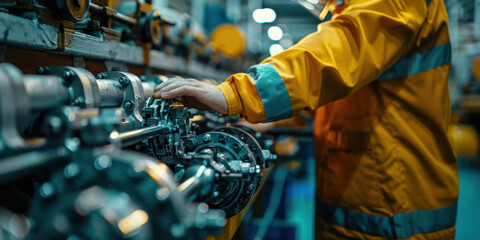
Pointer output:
x,y
468,217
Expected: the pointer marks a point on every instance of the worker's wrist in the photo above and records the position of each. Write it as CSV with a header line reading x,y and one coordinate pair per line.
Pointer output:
x,y
232,101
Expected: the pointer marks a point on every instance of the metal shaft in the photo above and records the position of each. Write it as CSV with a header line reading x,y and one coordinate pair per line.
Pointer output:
x,y
17,166
199,186
136,136
110,12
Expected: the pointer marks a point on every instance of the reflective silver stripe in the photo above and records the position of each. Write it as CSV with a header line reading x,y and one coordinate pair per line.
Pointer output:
x,y
419,62
401,225
273,92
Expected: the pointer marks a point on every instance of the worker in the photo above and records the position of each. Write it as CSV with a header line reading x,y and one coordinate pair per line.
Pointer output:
x,y
376,75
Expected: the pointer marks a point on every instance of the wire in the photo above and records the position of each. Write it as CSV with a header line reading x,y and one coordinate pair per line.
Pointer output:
x,y
274,203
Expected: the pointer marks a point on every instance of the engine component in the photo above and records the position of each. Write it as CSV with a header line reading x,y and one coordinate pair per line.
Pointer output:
x,y
118,195
19,96
72,10
238,172
13,226
111,89
145,24
224,167
76,124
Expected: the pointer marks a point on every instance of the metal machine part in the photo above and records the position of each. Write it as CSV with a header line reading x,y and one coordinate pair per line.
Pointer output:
x,y
19,96
145,24
118,195
13,226
65,130
223,168
238,172
74,125
59,86
111,89
98,191
72,10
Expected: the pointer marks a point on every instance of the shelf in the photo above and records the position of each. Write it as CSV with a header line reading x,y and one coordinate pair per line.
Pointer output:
x,y
31,34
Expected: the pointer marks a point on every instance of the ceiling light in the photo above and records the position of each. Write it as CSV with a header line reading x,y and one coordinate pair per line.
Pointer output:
x,y
264,15
275,49
275,33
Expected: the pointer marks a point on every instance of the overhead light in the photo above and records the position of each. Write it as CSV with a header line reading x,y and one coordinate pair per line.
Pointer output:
x,y
264,15
275,49
275,33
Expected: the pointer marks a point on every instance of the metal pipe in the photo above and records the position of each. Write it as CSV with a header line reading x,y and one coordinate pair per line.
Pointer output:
x,y
44,92
110,12
199,186
136,136
15,167
111,93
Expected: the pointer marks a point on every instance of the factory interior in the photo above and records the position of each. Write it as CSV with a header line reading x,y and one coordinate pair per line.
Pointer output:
x,y
239,119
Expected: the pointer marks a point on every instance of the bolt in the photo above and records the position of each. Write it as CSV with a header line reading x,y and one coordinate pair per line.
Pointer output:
x,y
124,81
128,105
54,126
162,194
190,144
47,190
43,70
236,147
67,76
202,208
78,101
250,189
143,78
207,137
175,129
71,170
177,230
62,151
221,138
103,162
101,76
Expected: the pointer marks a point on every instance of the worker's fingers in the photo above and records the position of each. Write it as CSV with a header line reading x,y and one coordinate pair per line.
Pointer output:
x,y
170,84
166,83
161,93
174,81
178,84
179,92
203,95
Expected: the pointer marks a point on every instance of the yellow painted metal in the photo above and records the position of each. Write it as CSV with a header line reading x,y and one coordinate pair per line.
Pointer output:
x,y
229,40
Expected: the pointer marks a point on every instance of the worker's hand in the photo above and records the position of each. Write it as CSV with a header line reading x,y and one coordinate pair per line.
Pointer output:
x,y
196,94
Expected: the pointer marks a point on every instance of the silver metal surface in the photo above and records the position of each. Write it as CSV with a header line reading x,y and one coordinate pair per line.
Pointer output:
x,y
31,34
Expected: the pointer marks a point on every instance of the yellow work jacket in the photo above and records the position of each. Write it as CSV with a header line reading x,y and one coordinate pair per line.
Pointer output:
x,y
377,76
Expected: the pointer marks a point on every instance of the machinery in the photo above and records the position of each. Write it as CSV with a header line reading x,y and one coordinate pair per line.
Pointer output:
x,y
79,127
87,153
